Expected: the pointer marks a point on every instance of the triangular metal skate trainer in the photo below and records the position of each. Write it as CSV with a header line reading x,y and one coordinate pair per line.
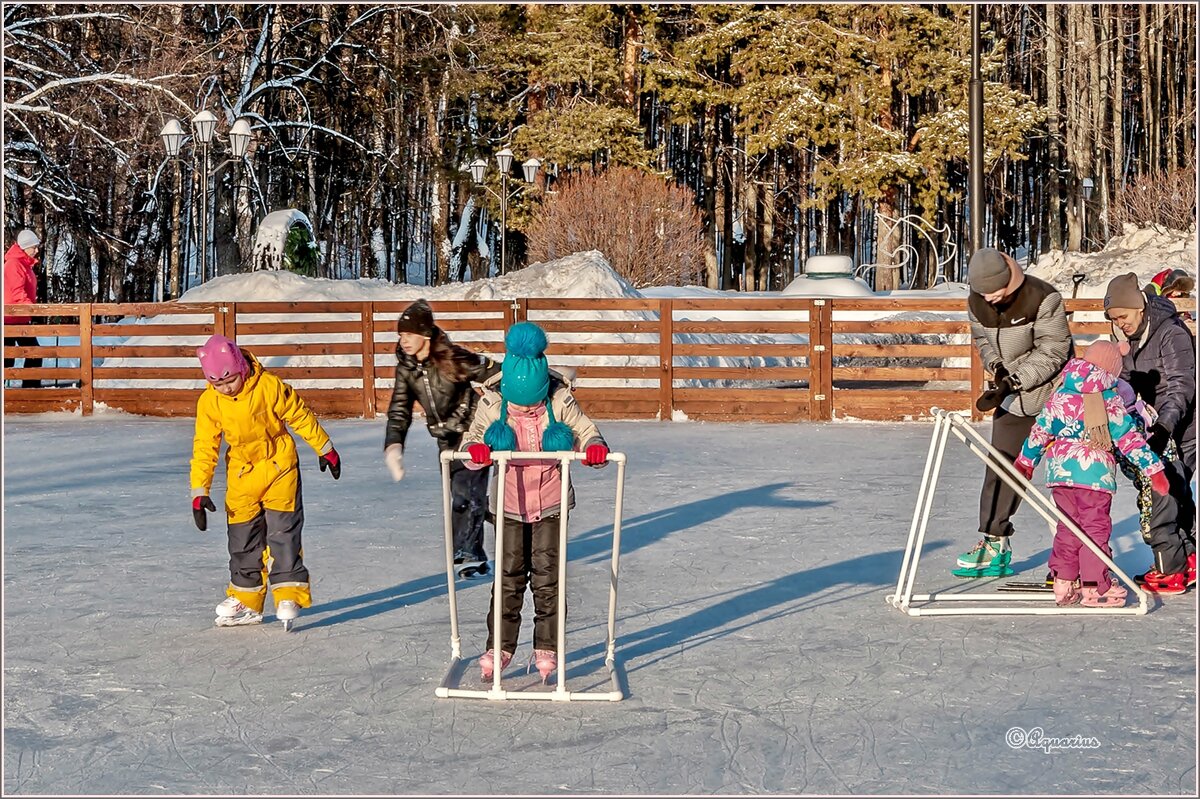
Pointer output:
x,y
560,693
967,603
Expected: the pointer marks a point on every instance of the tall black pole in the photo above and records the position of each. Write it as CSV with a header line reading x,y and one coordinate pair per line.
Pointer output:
x,y
976,112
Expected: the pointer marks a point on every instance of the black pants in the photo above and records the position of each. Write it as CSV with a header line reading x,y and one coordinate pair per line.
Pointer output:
x,y
1168,538
998,502
468,503
30,363
530,558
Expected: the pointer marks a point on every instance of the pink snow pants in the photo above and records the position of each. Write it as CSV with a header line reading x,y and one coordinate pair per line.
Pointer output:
x,y
1091,511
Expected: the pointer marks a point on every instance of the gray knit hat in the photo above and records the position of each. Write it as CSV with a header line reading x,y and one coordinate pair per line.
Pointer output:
x,y
1123,292
988,271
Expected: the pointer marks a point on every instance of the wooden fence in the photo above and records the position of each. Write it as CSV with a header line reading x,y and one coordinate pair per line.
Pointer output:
x,y
744,358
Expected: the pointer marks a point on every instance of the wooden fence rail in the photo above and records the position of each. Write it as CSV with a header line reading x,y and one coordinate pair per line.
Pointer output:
x,y
750,359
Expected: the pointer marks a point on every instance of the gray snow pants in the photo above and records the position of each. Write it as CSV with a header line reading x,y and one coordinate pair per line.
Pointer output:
x,y
468,503
278,530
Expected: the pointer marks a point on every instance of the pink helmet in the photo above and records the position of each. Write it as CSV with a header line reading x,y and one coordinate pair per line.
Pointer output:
x,y
220,358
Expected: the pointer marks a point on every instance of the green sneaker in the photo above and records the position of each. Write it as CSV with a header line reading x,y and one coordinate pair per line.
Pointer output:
x,y
991,557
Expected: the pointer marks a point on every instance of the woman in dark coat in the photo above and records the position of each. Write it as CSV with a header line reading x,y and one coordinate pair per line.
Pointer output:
x,y
433,371
1161,367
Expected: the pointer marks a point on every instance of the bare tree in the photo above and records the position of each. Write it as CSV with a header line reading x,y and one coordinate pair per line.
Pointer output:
x,y
649,229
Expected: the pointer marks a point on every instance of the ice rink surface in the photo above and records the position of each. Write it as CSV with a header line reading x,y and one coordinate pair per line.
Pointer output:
x,y
756,648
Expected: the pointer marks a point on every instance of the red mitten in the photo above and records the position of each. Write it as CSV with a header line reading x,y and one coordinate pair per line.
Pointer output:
x,y
595,455
1025,468
480,454
1159,484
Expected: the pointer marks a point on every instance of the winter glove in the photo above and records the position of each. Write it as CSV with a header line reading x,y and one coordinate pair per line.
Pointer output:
x,y
393,458
1159,484
334,463
199,505
991,399
1025,468
596,455
1158,437
480,454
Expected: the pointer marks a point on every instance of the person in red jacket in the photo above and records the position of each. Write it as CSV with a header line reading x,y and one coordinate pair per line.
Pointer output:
x,y
20,288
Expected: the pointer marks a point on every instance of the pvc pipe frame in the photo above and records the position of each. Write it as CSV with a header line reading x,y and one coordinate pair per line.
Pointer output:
x,y
560,692
945,423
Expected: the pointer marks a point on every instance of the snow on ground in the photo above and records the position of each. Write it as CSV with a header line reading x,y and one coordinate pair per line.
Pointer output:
x,y
758,654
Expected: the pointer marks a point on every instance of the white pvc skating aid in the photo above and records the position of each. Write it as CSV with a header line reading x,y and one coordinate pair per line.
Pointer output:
x,y
971,603
560,692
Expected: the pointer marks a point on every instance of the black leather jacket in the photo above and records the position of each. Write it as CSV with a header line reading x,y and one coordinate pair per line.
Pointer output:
x,y
441,384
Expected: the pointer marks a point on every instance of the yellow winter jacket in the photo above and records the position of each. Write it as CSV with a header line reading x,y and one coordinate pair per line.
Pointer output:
x,y
254,424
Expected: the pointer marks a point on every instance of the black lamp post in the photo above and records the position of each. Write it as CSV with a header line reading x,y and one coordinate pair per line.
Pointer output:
x,y
504,161
204,126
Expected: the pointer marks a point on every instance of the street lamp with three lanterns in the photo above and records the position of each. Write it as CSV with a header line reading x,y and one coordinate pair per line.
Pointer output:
x,y
204,126
504,161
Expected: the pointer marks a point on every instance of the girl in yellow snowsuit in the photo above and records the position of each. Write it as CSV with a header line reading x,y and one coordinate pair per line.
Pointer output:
x,y
252,408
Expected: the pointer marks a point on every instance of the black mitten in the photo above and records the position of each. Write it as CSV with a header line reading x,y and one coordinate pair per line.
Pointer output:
x,y
199,505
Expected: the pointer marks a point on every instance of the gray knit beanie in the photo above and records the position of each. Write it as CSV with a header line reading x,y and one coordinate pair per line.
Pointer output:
x,y
988,271
1123,292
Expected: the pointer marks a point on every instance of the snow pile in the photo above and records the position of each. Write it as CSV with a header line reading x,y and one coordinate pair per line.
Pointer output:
x,y
1143,251
583,274
270,240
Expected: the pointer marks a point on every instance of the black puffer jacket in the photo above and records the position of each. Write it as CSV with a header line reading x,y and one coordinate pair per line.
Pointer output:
x,y
1161,367
442,385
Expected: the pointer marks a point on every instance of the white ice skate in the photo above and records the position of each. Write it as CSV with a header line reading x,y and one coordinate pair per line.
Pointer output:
x,y
287,611
232,613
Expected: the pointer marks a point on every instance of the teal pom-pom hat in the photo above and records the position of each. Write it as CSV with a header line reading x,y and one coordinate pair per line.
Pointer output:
x,y
525,380
525,374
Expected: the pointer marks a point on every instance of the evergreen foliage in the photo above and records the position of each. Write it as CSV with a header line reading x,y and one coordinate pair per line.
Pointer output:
x,y
794,126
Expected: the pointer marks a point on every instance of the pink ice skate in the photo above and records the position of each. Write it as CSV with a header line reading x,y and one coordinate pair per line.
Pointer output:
x,y
1114,597
546,661
1066,592
487,663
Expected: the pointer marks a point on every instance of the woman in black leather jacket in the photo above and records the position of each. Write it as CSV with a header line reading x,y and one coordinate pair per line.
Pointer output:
x,y
437,374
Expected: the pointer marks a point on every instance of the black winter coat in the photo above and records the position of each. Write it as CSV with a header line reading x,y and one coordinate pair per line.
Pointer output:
x,y
1161,367
442,385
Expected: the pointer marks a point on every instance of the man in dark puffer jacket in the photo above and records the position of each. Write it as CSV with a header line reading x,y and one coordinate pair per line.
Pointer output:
x,y
1161,367
1020,328
437,373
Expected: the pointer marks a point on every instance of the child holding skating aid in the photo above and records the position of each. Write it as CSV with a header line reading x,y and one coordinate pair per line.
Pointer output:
x,y
534,411
1082,421
252,409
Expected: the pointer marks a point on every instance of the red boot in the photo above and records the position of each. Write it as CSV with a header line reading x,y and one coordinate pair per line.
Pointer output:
x,y
1159,583
1191,570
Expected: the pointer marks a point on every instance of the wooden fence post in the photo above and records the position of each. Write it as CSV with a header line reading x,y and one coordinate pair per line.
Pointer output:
x,y
86,394
820,360
666,360
367,332
976,382
229,321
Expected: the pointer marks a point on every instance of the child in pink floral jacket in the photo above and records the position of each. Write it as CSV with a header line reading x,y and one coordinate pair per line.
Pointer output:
x,y
1076,431
533,412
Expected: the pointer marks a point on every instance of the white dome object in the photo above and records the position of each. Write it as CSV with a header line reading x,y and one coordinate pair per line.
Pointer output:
x,y
829,266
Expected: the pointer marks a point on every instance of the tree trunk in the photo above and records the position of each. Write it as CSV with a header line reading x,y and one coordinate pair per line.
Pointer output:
x,y
1054,150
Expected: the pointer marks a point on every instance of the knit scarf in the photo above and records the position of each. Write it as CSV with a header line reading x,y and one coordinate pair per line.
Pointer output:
x,y
1095,422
